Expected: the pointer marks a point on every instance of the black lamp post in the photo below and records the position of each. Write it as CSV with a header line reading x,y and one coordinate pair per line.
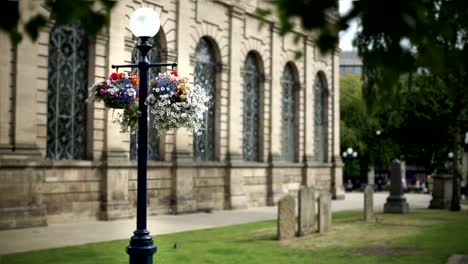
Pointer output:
x,y
144,24
379,144
349,154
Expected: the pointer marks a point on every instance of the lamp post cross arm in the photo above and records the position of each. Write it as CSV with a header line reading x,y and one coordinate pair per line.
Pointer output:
x,y
172,64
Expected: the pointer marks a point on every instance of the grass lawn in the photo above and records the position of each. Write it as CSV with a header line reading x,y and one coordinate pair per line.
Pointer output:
x,y
426,236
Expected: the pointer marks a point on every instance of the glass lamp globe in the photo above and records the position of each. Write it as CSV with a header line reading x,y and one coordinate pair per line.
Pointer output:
x,y
345,154
144,22
450,155
354,154
350,151
378,132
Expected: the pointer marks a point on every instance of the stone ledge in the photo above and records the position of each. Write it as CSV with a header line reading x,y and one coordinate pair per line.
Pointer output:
x,y
201,164
316,164
50,163
286,164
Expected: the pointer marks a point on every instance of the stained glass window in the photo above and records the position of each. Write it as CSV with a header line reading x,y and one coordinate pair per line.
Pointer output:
x,y
154,56
205,76
289,83
319,119
251,108
67,92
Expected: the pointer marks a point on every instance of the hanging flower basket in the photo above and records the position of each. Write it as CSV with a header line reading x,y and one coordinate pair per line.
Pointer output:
x,y
119,91
128,119
174,103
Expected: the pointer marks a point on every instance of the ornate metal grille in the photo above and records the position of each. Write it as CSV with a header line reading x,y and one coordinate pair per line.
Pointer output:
x,y
288,135
319,119
154,56
67,92
205,76
251,108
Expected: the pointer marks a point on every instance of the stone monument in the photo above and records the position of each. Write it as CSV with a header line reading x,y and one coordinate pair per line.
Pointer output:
x,y
286,218
442,190
396,202
306,211
324,212
369,203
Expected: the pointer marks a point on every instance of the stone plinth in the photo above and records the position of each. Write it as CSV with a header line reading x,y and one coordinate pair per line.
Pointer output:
x,y
442,191
306,211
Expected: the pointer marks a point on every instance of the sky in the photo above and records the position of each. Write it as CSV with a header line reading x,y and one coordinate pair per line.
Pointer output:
x,y
347,36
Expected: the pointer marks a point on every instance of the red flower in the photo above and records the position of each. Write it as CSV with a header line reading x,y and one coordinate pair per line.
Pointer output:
x,y
175,73
114,76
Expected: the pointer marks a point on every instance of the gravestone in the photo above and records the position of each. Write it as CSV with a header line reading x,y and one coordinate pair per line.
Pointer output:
x,y
306,211
324,212
286,218
368,203
442,190
396,202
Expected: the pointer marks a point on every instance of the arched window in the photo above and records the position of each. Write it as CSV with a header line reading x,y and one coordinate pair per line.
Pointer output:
x,y
205,76
251,108
320,118
289,82
155,55
67,92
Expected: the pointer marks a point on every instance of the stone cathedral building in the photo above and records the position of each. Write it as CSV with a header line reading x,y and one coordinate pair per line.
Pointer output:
x,y
272,123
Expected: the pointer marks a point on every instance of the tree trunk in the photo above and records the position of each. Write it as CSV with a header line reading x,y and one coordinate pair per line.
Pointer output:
x,y
455,204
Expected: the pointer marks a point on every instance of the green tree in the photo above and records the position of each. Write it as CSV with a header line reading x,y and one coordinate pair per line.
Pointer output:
x,y
394,38
357,124
93,14
417,116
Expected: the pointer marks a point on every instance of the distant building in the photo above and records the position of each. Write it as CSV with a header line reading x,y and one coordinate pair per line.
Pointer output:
x,y
350,62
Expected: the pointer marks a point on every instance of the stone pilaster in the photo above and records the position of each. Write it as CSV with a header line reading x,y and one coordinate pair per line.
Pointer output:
x,y
24,118
308,178
337,189
116,147
235,194
6,83
183,174
275,174
114,190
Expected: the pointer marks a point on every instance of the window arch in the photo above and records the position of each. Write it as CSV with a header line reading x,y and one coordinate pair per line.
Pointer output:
x,y
155,55
320,118
252,81
205,76
67,92
289,83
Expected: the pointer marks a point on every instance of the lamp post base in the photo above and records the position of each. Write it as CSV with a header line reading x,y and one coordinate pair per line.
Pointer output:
x,y
141,248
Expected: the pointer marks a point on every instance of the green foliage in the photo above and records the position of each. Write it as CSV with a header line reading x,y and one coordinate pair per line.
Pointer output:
x,y
357,125
255,243
93,14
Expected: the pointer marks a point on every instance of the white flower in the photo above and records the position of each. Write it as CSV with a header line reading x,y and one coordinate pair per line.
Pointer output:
x,y
131,92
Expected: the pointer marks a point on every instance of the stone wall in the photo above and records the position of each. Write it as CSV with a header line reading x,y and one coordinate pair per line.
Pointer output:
x,y
37,191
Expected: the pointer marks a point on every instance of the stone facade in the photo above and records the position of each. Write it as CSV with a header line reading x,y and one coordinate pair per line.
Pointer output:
x,y
36,190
